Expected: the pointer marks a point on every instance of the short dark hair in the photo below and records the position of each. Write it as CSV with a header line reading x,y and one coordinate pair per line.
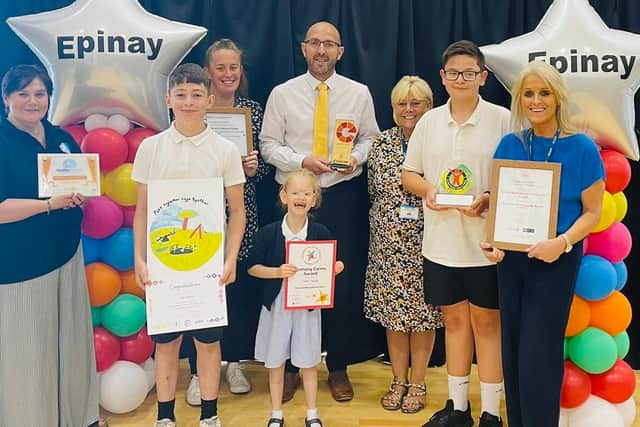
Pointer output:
x,y
21,76
464,47
188,73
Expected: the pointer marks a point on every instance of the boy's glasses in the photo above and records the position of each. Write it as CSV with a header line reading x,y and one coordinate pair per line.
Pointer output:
x,y
467,75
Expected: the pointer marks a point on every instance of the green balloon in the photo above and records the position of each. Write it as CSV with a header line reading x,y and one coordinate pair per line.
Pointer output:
x,y
96,316
565,350
622,343
593,350
124,316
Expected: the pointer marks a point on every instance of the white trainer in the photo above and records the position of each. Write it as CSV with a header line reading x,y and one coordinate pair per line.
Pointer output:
x,y
193,392
238,382
165,422
211,422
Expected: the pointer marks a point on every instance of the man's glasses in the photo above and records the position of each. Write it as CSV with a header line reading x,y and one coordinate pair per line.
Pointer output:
x,y
467,75
328,44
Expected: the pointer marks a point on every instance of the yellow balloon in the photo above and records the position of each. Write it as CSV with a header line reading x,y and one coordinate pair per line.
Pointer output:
x,y
102,177
119,186
608,214
621,205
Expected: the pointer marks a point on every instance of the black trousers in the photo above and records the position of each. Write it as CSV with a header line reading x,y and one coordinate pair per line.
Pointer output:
x,y
535,298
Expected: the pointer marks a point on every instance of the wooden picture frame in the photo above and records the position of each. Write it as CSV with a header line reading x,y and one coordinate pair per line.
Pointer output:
x,y
234,124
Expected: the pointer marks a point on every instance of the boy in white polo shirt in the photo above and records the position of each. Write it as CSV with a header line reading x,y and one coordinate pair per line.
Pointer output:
x,y
189,149
450,151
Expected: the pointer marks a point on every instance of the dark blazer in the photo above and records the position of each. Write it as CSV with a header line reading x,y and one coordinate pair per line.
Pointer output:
x,y
269,250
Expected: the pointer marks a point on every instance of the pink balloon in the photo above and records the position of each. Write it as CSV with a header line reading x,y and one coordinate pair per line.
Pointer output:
x,y
134,138
107,348
585,245
111,146
136,348
77,132
613,244
102,217
128,211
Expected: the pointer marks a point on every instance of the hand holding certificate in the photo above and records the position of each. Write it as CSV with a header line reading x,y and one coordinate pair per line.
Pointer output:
x,y
312,285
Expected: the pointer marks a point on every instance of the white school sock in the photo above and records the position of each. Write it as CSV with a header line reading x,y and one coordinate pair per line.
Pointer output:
x,y
312,413
490,394
277,414
459,392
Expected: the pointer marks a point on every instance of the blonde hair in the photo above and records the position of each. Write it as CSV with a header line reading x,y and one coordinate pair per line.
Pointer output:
x,y
228,44
554,81
411,86
304,173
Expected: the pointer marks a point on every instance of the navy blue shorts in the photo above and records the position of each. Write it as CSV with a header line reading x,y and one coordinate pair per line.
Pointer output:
x,y
205,336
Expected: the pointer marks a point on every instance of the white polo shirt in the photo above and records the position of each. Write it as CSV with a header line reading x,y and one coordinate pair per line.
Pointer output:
x,y
439,144
171,155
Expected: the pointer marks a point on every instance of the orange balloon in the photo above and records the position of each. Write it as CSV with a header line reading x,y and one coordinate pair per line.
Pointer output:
x,y
578,317
612,314
129,285
104,283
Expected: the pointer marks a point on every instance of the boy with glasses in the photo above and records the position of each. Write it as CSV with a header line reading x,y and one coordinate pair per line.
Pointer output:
x,y
451,151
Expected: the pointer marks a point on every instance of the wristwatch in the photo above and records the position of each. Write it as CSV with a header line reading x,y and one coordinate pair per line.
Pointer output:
x,y
567,241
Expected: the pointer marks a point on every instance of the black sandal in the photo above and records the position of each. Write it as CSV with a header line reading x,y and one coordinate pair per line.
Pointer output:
x,y
278,421
311,422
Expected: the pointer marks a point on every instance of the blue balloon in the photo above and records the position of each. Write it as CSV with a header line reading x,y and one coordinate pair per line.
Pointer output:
x,y
621,274
596,278
92,249
117,249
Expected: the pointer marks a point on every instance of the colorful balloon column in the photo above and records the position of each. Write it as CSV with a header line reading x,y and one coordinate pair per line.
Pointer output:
x,y
598,385
123,348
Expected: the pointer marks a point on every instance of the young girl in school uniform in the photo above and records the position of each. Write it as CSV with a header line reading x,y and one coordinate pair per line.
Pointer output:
x,y
290,334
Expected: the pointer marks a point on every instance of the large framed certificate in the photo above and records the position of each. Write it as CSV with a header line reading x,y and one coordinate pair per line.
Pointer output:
x,y
313,284
233,124
524,203
68,173
185,242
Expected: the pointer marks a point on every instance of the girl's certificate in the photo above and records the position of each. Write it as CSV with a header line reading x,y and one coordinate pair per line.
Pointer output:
x,y
312,286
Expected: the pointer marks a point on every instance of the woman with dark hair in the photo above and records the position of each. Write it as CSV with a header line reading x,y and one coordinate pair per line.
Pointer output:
x,y
47,360
224,65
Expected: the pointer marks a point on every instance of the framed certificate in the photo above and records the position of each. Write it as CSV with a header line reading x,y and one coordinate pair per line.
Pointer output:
x,y
233,124
185,241
524,203
68,173
313,284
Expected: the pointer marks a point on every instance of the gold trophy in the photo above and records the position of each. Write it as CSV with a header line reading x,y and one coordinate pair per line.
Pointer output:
x,y
344,136
455,183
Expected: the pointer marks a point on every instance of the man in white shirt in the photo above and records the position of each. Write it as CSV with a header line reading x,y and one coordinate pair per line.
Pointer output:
x,y
288,141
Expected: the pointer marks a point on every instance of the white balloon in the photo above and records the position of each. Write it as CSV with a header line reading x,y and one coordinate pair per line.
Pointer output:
x,y
599,65
123,387
595,412
95,121
119,123
150,371
109,57
627,410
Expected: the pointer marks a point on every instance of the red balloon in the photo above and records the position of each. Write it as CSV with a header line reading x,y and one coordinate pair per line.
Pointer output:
x,y
107,348
576,386
134,138
111,146
616,385
77,132
136,348
617,171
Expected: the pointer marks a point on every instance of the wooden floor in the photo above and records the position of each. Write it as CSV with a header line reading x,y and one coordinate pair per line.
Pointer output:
x,y
370,380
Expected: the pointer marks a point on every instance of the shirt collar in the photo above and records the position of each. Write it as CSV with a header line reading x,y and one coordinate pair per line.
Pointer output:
x,y
313,82
290,235
196,140
473,119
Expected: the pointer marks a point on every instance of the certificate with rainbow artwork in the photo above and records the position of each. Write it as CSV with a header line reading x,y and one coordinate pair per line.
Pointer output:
x,y
185,248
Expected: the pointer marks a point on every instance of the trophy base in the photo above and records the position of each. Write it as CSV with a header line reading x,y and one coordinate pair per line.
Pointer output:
x,y
340,167
454,200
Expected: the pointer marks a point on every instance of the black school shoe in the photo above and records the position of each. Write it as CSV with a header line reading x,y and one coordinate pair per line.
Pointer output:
x,y
489,420
449,417
278,421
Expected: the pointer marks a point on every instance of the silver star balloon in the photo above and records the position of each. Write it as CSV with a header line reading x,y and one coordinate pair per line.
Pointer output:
x,y
600,67
109,57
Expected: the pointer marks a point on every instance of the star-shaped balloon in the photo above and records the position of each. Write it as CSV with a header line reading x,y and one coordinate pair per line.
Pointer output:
x,y
600,66
110,57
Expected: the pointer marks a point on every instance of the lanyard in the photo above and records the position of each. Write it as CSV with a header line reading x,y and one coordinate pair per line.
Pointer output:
x,y
553,142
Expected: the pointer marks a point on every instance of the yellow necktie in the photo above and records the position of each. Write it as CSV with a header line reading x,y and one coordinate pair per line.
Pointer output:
x,y
321,123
